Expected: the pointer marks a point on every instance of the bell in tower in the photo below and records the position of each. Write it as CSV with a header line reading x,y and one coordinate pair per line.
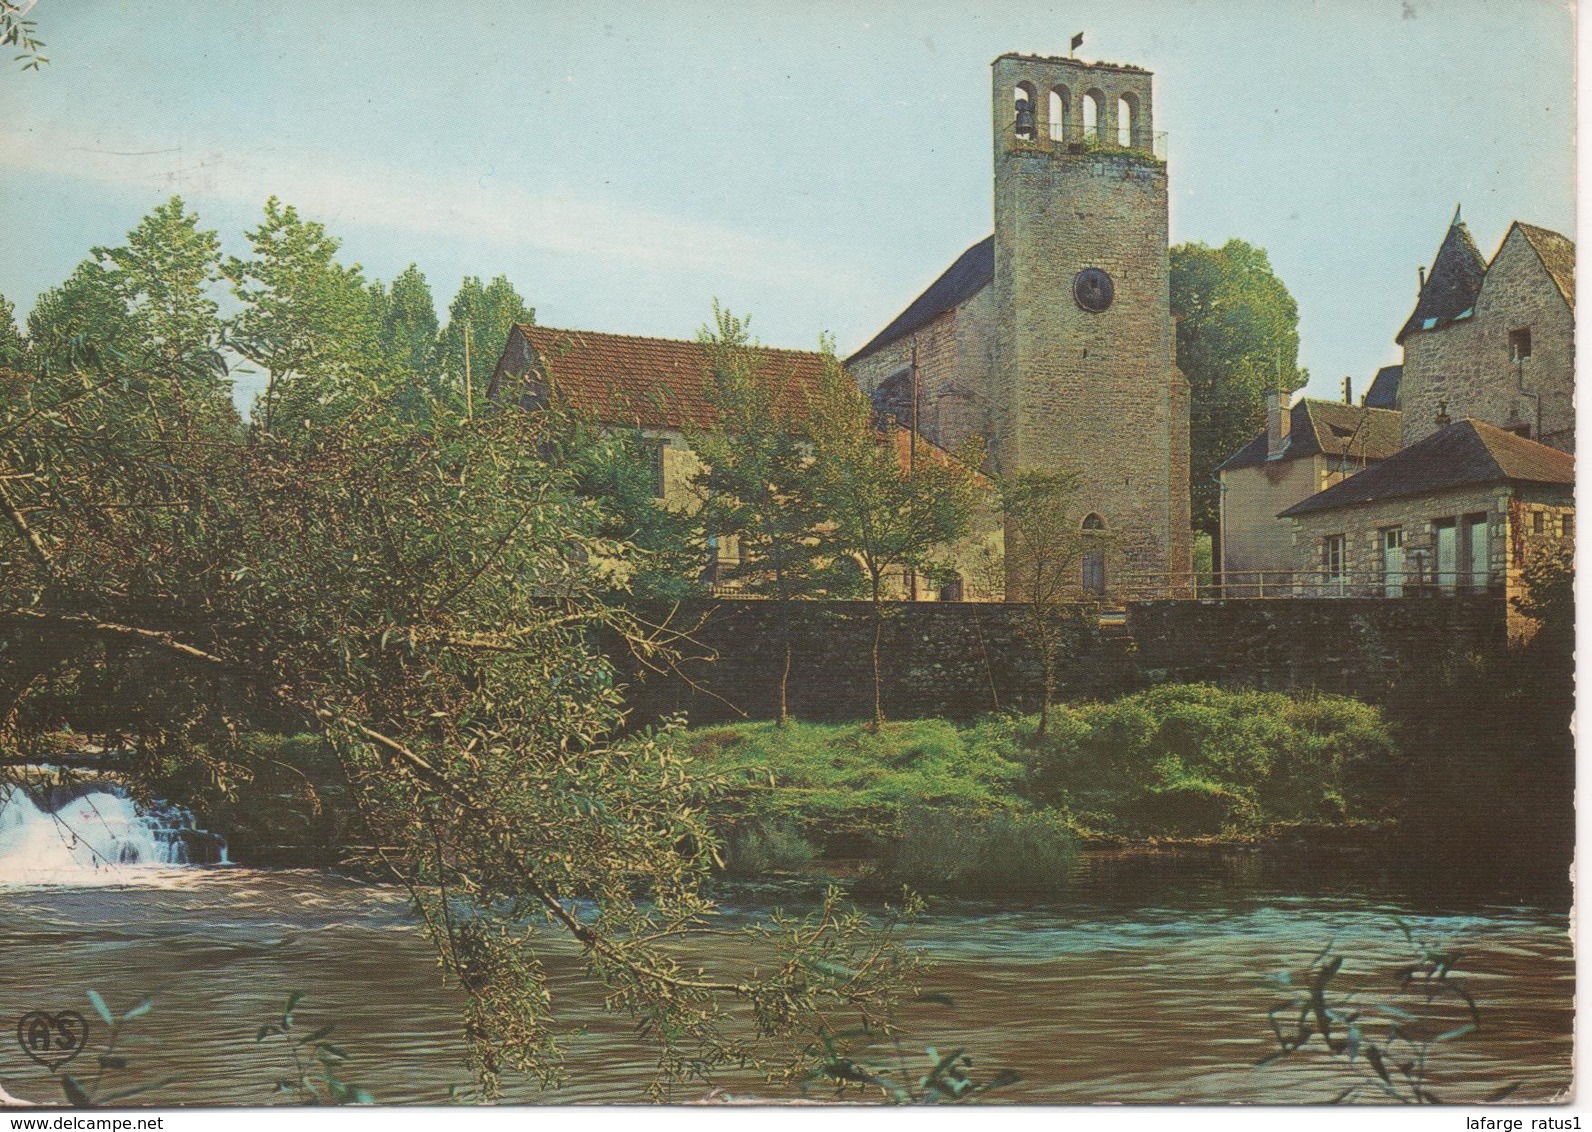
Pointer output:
x,y
1025,116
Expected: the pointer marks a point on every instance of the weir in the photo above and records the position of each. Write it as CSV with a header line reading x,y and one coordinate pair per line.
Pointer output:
x,y
96,835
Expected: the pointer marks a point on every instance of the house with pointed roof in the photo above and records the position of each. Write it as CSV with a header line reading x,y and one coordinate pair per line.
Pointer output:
x,y
1466,509
1303,450
1432,506
1494,340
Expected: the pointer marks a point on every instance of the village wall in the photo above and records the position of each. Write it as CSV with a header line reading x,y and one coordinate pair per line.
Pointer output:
x,y
960,660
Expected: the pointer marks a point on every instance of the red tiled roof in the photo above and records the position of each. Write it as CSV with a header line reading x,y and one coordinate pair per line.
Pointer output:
x,y
647,382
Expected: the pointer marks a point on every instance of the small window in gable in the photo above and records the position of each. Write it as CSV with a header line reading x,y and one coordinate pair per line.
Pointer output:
x,y
1520,344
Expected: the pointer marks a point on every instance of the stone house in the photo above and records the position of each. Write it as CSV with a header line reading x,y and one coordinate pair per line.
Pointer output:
x,y
1302,451
660,389
1494,341
1463,510
1052,338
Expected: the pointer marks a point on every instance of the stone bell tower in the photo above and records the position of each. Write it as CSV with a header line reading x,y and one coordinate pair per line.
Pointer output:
x,y
1083,377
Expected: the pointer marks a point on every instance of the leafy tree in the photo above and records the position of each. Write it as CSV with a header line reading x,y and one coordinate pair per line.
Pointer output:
x,y
1043,546
615,471
892,501
423,593
306,319
488,313
163,278
79,324
408,324
1237,337
758,477
13,349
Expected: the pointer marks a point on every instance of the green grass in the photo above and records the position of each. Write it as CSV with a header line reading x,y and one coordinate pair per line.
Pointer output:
x,y
979,804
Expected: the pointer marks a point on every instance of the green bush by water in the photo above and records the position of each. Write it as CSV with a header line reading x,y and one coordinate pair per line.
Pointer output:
x,y
993,803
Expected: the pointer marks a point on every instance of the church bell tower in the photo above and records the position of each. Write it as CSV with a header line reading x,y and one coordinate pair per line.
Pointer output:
x,y
1083,376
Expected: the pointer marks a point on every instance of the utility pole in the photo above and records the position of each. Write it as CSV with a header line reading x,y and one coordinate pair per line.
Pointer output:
x,y
469,392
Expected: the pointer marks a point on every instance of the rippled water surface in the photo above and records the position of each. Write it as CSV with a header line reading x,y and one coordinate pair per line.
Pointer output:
x,y
1144,985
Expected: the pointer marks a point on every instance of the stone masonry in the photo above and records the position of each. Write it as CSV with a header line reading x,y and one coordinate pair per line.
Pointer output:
x,y
1096,393
1469,365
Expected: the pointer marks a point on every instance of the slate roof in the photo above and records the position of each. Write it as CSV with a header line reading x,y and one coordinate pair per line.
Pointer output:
x,y
647,382
973,270
1465,453
1557,254
1320,428
1452,284
1384,391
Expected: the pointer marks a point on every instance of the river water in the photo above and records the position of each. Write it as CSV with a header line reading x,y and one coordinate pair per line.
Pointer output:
x,y
1145,983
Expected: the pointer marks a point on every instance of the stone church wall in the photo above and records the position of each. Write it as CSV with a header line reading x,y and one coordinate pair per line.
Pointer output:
x,y
958,661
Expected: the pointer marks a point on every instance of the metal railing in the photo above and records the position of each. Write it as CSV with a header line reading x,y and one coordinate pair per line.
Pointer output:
x,y
1286,584
1151,143
1246,585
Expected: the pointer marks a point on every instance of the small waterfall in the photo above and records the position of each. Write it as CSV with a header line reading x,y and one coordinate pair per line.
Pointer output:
x,y
97,835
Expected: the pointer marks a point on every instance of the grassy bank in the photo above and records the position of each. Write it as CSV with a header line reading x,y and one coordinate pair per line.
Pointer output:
x,y
995,806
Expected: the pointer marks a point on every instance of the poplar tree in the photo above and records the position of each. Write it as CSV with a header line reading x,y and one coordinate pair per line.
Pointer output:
x,y
306,320
488,313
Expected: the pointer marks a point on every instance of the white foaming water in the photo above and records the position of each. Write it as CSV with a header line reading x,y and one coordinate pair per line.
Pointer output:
x,y
100,837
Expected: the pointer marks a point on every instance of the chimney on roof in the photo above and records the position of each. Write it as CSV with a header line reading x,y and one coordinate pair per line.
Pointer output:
x,y
1277,422
1421,271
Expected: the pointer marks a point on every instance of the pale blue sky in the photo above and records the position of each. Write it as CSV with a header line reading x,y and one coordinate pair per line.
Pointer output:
x,y
814,165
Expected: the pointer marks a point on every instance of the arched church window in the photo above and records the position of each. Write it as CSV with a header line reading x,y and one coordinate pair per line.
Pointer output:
x,y
1060,104
1023,109
1127,120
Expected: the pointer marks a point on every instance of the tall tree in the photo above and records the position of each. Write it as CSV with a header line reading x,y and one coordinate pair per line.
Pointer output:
x,y
306,319
164,279
758,479
13,348
1043,545
80,324
1237,337
893,501
408,324
488,312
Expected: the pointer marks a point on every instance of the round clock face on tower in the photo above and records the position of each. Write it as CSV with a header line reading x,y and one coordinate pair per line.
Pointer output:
x,y
1093,290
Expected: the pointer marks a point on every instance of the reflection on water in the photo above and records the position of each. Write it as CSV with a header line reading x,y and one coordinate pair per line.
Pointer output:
x,y
1145,985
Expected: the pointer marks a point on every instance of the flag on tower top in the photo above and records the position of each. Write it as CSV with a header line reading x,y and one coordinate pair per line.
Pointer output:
x,y
1077,41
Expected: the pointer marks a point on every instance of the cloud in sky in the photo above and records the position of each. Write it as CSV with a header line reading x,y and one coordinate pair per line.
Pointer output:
x,y
453,205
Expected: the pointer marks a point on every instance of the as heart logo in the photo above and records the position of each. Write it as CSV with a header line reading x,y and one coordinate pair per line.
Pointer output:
x,y
52,1039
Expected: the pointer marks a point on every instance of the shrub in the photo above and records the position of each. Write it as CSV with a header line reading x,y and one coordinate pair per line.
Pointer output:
x,y
1191,759
766,845
974,853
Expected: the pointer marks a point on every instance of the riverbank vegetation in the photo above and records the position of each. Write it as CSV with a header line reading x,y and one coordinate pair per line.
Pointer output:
x,y
997,806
